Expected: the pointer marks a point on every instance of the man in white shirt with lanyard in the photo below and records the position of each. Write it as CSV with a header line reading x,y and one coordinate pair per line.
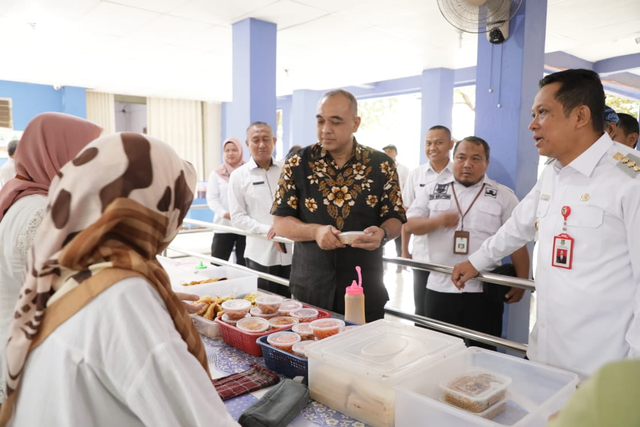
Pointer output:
x,y
251,189
437,146
585,206
458,215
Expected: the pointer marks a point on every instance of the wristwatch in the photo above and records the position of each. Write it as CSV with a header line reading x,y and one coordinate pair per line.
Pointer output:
x,y
386,238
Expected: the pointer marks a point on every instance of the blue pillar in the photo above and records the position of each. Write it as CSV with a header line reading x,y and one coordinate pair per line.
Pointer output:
x,y
304,106
284,104
506,84
437,102
254,77
74,101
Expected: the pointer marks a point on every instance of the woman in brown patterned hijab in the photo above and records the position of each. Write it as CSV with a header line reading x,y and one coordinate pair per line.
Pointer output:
x,y
99,338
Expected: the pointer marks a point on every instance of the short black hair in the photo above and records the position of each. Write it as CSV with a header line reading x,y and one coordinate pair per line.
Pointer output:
x,y
12,147
477,141
579,87
444,128
294,148
353,103
628,123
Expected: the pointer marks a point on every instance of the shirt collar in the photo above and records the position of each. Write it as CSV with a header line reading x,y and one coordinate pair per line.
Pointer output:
x,y
317,152
448,167
586,162
254,165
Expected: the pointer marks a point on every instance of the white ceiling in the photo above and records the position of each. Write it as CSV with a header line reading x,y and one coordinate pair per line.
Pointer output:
x,y
182,48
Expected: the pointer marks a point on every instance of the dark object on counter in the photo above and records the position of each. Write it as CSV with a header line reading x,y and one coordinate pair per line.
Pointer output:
x,y
254,378
278,407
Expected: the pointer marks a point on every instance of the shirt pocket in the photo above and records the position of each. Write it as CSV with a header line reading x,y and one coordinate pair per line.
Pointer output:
x,y
586,216
487,217
439,206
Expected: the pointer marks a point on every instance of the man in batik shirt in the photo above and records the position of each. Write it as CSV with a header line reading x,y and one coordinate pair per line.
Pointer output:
x,y
335,186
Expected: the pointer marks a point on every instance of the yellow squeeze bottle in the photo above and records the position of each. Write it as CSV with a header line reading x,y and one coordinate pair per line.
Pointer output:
x,y
354,301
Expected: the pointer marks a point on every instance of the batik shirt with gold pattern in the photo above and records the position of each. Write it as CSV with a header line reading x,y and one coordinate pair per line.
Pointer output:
x,y
364,192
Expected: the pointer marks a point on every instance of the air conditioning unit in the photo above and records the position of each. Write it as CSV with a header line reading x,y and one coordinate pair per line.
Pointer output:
x,y
6,113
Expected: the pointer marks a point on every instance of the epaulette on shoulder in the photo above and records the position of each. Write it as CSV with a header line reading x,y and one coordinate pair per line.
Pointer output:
x,y
628,163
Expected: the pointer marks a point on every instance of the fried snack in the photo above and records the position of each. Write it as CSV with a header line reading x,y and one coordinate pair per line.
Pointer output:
x,y
201,282
251,298
210,313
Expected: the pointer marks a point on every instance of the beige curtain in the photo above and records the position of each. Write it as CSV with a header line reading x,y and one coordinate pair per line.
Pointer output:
x,y
178,122
101,110
212,114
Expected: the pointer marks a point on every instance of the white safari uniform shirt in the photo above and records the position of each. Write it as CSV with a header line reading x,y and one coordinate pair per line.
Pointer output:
x,y
417,180
120,362
589,315
218,199
403,174
251,191
492,209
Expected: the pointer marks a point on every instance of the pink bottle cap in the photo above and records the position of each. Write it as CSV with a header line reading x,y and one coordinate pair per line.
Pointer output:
x,y
354,289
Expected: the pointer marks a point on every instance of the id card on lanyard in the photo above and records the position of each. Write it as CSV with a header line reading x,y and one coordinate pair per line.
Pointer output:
x,y
461,237
563,244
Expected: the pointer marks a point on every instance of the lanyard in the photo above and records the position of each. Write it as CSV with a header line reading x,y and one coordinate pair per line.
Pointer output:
x,y
453,189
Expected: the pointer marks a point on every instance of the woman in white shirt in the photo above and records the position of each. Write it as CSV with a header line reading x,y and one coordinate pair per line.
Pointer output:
x,y
218,201
50,140
99,338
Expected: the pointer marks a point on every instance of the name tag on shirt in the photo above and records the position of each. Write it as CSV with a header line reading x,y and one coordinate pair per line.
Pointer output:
x,y
491,192
440,192
258,183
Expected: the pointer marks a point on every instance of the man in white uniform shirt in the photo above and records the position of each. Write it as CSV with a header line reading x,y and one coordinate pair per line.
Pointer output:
x,y
437,146
403,173
458,215
586,203
251,190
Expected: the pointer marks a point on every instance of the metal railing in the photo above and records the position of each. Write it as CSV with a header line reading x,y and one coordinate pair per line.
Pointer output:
x,y
421,320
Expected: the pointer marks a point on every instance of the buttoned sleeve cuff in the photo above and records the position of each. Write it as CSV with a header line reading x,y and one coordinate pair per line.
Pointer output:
x,y
481,260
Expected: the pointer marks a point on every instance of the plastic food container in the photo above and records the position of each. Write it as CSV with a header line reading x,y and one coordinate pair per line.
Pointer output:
x,y
323,328
236,309
226,319
268,304
256,312
283,340
299,348
349,237
286,307
535,393
304,330
475,390
304,314
355,372
282,322
252,325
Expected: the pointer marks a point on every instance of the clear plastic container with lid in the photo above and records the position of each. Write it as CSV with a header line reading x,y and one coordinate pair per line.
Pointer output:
x,y
304,314
304,330
286,307
269,304
252,325
475,390
299,348
255,311
324,328
282,322
355,372
283,340
535,393
236,309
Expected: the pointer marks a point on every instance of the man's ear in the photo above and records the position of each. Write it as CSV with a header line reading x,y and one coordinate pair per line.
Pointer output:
x,y
356,123
582,116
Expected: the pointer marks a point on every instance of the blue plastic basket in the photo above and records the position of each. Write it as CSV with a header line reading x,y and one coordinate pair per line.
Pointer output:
x,y
280,361
287,364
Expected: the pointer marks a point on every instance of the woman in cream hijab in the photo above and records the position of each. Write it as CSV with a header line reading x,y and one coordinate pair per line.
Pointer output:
x,y
98,336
